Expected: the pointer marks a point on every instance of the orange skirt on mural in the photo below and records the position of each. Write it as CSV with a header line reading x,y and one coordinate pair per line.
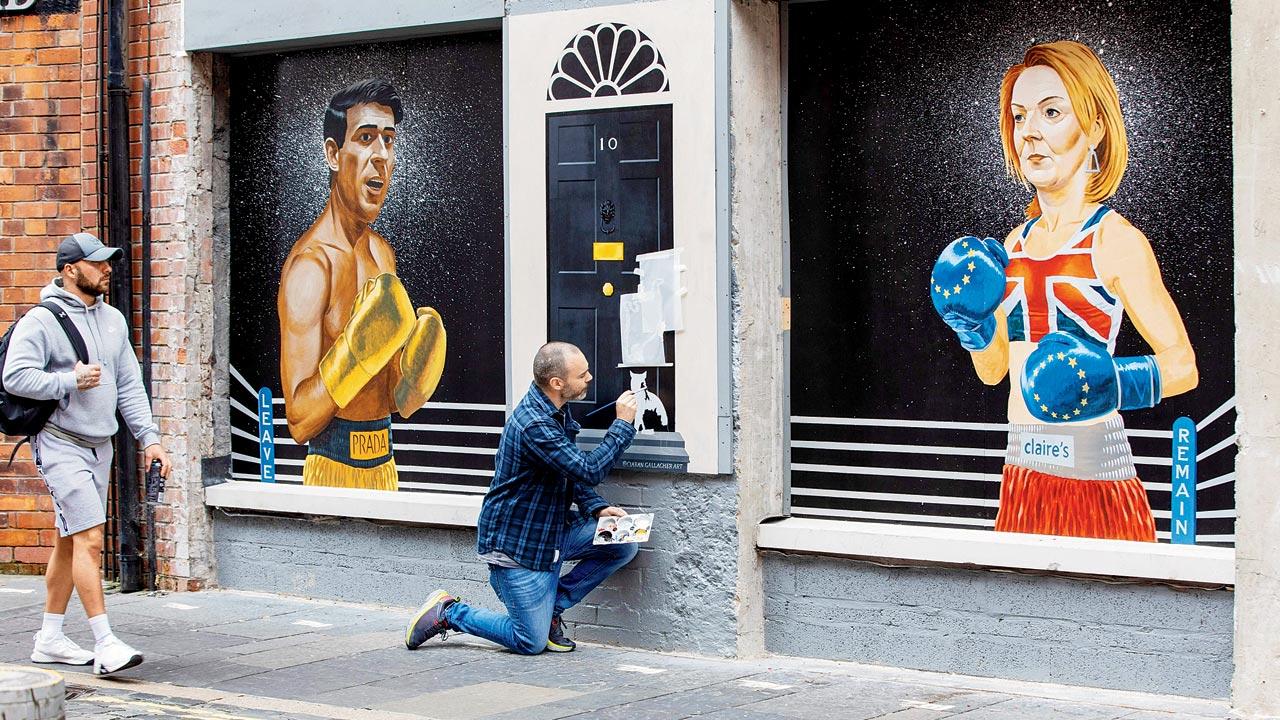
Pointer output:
x,y
1036,502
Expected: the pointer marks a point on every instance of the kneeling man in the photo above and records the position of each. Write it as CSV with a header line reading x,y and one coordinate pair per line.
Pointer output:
x,y
525,531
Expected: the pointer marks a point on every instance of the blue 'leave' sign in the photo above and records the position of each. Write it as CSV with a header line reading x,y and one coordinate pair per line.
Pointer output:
x,y
266,438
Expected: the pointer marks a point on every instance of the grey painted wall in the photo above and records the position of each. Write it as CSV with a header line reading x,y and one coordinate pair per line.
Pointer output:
x,y
273,25
676,595
1150,638
282,24
525,7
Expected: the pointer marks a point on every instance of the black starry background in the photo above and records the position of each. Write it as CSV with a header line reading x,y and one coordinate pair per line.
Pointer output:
x,y
444,209
894,151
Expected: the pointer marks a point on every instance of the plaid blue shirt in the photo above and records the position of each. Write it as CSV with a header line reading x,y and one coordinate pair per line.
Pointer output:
x,y
538,474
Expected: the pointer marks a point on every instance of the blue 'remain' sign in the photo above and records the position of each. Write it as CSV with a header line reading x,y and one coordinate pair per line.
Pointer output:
x,y
1182,516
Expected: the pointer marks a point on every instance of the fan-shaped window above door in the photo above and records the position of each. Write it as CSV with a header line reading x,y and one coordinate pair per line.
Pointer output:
x,y
606,60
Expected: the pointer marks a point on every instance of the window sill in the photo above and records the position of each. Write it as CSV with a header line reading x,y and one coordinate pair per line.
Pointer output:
x,y
1196,564
423,508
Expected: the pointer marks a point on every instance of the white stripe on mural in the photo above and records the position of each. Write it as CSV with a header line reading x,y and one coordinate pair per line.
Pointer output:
x,y
465,406
1158,434
279,460
421,427
280,439
244,410
895,472
1202,538
1200,514
236,374
1227,442
282,479
898,517
1222,410
443,487
444,471
1215,482
242,434
878,422
888,448
897,497
446,449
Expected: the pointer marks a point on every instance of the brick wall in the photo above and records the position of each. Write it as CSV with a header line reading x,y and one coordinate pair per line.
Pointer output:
x,y
49,173
42,98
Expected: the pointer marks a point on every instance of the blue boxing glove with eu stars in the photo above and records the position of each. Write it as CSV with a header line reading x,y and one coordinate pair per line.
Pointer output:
x,y
1067,378
967,286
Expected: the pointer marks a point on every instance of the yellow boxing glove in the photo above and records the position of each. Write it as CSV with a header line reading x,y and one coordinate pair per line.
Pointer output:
x,y
421,363
380,323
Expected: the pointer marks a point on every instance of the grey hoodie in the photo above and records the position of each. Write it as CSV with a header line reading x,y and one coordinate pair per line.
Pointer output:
x,y
41,366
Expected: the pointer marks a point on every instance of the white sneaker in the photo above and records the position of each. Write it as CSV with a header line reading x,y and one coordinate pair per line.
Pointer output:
x,y
112,655
59,649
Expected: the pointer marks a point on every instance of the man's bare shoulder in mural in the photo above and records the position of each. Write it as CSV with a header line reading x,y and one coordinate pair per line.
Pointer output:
x,y
384,256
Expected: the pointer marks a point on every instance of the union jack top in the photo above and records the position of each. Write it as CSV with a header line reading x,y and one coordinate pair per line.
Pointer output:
x,y
1060,292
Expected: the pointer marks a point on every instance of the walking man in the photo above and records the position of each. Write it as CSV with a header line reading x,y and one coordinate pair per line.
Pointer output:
x,y
526,532
73,452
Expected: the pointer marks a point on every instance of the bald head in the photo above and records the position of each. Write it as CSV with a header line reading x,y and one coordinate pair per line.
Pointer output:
x,y
552,361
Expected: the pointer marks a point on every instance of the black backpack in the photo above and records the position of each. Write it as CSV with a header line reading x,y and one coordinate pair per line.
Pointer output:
x,y
24,416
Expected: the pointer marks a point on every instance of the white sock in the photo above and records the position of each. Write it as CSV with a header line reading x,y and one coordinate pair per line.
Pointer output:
x,y
52,625
101,628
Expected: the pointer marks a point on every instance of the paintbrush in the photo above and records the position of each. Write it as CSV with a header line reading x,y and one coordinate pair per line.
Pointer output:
x,y
602,408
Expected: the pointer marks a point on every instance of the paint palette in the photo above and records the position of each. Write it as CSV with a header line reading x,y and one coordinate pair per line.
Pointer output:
x,y
626,529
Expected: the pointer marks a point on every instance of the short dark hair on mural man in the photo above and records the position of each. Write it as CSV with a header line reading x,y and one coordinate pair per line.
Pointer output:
x,y
377,92
552,361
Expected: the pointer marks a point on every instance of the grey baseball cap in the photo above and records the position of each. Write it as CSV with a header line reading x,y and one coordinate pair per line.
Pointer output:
x,y
83,246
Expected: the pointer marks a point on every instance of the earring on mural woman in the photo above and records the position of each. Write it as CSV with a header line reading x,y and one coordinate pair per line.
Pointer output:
x,y
1092,166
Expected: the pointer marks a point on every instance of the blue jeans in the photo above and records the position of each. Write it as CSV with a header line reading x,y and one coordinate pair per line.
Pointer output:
x,y
532,597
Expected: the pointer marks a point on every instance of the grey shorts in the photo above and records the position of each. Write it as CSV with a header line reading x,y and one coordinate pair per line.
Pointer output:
x,y
77,478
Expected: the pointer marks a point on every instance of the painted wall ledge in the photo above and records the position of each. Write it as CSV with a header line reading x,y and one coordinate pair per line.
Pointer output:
x,y
425,508
987,549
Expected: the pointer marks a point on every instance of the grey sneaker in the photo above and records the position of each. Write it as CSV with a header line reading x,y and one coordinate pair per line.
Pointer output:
x,y
429,620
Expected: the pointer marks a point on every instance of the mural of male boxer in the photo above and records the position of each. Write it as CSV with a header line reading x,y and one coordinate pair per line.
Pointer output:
x,y
352,348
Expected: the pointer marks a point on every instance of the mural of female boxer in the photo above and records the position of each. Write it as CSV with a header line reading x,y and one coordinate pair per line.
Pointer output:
x,y
352,348
1045,307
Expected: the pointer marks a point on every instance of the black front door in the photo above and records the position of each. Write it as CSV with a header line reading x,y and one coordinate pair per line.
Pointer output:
x,y
608,200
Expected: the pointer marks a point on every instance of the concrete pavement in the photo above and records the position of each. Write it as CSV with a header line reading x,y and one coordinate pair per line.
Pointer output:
x,y
226,655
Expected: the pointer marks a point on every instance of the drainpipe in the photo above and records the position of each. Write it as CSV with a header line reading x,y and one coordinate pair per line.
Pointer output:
x,y
101,129
118,235
152,491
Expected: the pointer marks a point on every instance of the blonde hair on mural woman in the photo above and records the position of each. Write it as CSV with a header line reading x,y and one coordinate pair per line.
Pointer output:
x,y
1093,96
